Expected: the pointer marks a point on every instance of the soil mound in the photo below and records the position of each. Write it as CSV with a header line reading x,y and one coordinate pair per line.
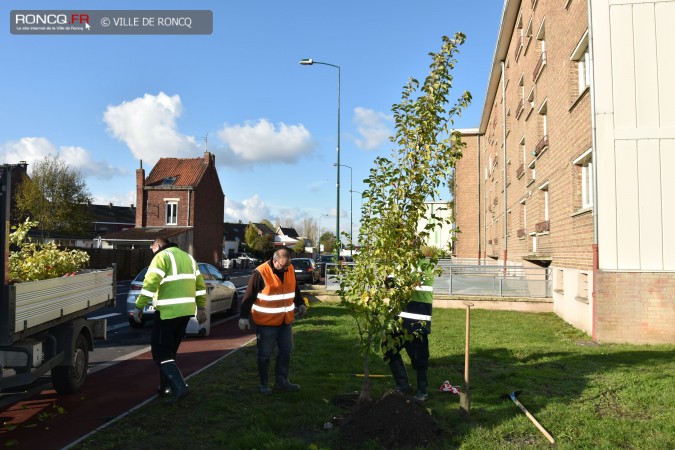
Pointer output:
x,y
393,422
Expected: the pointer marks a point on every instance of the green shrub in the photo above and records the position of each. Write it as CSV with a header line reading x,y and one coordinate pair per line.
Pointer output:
x,y
33,262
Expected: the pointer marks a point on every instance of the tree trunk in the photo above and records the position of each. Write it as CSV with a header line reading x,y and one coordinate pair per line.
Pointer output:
x,y
364,397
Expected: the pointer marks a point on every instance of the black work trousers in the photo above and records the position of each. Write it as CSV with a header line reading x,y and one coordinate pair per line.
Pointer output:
x,y
166,337
417,349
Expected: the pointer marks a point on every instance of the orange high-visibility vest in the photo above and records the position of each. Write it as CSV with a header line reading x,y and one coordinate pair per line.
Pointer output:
x,y
275,303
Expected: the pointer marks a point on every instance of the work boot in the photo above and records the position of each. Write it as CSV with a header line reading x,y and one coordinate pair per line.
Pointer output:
x,y
400,376
281,374
263,373
163,389
175,380
421,394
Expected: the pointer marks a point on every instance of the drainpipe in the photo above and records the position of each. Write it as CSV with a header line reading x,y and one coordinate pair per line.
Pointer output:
x,y
504,160
594,153
188,206
482,175
478,168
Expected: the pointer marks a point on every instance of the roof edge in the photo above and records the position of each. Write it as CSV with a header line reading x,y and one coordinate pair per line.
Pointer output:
x,y
506,25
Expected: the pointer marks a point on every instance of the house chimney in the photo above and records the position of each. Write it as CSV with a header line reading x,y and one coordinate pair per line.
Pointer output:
x,y
209,158
140,197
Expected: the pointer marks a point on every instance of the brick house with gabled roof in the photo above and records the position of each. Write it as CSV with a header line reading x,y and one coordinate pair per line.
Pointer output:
x,y
182,200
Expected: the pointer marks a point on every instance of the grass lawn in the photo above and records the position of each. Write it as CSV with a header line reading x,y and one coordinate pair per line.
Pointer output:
x,y
586,395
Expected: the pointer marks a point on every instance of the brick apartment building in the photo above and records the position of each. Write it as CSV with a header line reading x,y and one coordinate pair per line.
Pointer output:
x,y
182,200
568,167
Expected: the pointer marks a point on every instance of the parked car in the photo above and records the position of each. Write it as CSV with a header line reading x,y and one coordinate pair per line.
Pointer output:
x,y
246,260
306,270
219,291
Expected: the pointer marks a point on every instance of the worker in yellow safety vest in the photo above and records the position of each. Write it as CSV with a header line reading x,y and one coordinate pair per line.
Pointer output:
x,y
174,288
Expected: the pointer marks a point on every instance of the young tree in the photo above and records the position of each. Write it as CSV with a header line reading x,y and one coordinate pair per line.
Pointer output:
x,y
397,189
55,196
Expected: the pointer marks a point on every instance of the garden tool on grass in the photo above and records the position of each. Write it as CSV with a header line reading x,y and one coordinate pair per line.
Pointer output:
x,y
465,397
513,396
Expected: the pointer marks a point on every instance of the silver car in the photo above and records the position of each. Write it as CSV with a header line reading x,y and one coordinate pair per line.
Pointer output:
x,y
220,292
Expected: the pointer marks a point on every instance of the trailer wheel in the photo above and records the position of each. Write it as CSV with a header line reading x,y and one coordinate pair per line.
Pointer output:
x,y
68,379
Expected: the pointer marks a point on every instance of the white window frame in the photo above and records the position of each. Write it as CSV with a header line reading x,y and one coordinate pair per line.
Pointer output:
x,y
582,57
543,111
544,188
585,161
171,217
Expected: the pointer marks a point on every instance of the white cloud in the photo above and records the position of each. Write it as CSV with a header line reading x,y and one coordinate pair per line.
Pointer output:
x,y
261,141
373,126
252,209
32,149
117,199
29,149
147,125
81,159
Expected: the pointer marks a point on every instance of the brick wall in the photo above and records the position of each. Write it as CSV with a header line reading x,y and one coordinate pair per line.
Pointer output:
x,y
468,195
207,217
635,307
140,198
512,131
155,207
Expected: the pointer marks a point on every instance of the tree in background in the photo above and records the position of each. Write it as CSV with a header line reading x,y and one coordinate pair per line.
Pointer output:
x,y
269,224
299,247
56,197
328,241
260,245
251,237
397,189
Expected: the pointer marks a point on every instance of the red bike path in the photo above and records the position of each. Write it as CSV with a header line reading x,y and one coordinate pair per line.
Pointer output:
x,y
49,421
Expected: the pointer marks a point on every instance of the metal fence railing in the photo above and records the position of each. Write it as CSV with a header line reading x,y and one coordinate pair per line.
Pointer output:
x,y
499,281
480,280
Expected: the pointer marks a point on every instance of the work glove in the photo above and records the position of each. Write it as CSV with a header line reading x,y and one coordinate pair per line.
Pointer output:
x,y
138,316
201,315
244,324
302,310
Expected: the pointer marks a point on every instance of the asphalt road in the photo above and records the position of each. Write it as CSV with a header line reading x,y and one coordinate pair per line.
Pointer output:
x,y
122,342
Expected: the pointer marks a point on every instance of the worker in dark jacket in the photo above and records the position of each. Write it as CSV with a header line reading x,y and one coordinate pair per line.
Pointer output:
x,y
271,298
416,318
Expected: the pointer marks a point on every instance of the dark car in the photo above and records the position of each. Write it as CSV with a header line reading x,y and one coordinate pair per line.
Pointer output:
x,y
306,270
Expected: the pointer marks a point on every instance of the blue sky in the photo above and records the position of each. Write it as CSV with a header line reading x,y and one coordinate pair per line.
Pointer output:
x,y
105,102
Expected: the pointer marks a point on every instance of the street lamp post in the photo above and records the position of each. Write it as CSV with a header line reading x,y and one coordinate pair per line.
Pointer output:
x,y
309,62
351,216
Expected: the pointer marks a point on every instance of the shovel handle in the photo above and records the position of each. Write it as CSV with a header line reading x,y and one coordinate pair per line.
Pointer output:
x,y
466,345
534,421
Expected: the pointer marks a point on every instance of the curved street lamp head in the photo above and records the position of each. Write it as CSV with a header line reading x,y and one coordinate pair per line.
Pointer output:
x,y
307,62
